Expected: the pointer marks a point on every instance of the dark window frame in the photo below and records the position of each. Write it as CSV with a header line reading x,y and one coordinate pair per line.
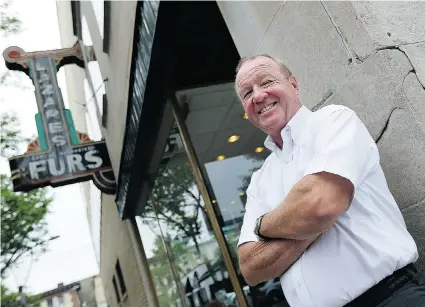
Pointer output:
x,y
117,293
120,276
106,25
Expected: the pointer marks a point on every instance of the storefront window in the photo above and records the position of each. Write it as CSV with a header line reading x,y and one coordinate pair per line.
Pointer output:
x,y
187,266
229,149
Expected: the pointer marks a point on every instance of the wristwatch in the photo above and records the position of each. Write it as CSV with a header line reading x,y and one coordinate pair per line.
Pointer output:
x,y
257,228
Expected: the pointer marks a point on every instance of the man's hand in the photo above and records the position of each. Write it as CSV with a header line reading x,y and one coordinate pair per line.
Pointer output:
x,y
265,260
311,207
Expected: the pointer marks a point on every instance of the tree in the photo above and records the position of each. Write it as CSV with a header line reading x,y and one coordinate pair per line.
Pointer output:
x,y
10,137
257,161
11,299
23,225
165,283
8,24
175,200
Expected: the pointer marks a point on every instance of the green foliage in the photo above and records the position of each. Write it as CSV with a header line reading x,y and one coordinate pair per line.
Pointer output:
x,y
11,299
10,135
8,24
175,200
256,160
162,274
23,225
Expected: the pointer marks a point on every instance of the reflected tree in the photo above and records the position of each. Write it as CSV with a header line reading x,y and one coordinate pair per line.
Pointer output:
x,y
175,201
161,271
257,160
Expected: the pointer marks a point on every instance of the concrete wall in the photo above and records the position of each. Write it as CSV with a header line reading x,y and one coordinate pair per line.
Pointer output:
x,y
117,245
369,56
114,66
99,291
117,241
75,76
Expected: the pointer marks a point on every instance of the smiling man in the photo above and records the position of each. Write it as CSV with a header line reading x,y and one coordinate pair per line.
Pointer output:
x,y
319,212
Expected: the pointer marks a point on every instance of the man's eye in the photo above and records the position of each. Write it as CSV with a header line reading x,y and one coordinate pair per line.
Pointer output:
x,y
267,82
247,94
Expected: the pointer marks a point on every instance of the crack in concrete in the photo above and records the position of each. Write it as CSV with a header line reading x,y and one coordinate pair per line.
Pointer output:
x,y
381,133
327,95
270,24
397,47
404,52
412,206
408,100
350,52
400,45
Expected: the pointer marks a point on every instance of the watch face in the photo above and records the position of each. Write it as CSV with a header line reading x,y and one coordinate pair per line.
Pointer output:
x,y
257,225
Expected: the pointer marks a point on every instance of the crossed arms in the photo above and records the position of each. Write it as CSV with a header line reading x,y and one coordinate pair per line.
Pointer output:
x,y
311,207
345,154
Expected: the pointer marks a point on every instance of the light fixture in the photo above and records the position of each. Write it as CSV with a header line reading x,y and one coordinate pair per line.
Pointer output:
x,y
241,194
259,149
233,138
213,201
221,157
245,116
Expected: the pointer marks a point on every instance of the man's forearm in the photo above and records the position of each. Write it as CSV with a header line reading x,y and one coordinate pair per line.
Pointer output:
x,y
311,207
265,260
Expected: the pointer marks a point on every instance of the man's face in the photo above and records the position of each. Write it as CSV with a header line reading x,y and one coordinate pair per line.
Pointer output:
x,y
269,98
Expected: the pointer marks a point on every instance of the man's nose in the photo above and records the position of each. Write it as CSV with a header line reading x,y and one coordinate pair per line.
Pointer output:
x,y
259,95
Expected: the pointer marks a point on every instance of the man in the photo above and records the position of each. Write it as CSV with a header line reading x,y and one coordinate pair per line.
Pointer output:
x,y
319,213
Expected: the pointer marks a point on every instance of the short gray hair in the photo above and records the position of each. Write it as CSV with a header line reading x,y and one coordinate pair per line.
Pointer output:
x,y
285,70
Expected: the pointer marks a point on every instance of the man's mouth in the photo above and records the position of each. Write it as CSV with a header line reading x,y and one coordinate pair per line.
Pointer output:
x,y
268,107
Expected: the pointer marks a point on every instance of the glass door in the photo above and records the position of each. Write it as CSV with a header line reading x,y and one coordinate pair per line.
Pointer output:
x,y
188,262
227,149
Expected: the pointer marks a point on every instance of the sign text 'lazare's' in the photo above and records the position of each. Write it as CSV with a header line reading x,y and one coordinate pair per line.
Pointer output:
x,y
60,155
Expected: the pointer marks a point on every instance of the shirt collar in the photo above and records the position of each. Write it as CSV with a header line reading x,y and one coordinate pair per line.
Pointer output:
x,y
293,128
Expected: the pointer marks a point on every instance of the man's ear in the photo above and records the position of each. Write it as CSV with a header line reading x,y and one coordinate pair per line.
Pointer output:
x,y
294,84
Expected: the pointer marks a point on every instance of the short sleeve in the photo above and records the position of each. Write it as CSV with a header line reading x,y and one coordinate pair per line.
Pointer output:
x,y
253,210
343,146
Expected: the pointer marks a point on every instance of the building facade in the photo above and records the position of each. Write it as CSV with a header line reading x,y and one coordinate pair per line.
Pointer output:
x,y
161,94
84,293
63,295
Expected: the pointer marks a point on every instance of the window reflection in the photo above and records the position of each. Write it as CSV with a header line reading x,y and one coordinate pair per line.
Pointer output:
x,y
187,266
229,149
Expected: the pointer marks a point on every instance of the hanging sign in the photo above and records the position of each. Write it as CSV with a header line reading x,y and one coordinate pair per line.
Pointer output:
x,y
60,155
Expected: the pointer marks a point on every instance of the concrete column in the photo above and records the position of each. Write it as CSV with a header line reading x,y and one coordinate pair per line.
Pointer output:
x,y
369,56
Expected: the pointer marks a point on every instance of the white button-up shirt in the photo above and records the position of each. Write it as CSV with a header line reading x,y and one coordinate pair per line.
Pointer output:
x,y
367,243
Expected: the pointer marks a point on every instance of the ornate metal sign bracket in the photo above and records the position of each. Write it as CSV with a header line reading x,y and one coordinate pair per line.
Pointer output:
x,y
60,155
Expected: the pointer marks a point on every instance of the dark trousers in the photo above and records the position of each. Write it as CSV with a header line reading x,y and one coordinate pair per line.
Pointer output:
x,y
410,295
404,288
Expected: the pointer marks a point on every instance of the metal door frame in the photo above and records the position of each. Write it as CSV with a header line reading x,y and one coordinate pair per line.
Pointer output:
x,y
200,181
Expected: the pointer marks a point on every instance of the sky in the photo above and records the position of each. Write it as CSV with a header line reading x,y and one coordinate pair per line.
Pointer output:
x,y
71,257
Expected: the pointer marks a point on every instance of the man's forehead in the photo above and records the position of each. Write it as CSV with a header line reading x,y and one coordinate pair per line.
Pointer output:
x,y
258,66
